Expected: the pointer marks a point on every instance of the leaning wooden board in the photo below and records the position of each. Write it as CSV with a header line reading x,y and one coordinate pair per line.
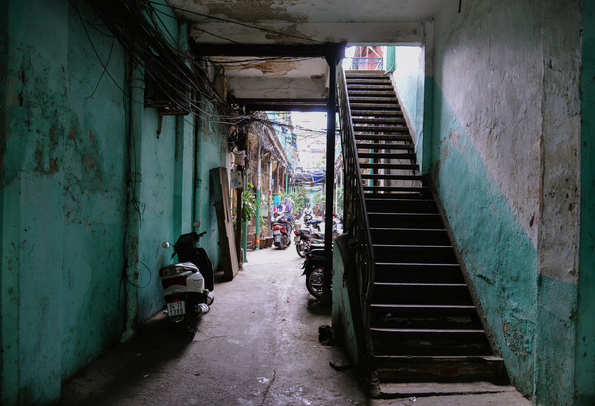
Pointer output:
x,y
220,188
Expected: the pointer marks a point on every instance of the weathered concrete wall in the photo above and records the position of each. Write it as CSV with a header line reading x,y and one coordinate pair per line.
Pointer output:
x,y
505,146
66,186
558,236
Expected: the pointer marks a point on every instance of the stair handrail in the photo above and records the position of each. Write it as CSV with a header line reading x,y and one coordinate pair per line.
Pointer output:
x,y
356,214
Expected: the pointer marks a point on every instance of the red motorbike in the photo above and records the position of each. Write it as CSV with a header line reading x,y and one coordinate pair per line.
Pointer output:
x,y
281,237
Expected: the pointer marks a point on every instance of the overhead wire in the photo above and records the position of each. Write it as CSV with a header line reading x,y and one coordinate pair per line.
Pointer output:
x,y
241,23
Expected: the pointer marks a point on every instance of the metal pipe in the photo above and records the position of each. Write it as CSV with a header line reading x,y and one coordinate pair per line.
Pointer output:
x,y
137,94
258,174
330,178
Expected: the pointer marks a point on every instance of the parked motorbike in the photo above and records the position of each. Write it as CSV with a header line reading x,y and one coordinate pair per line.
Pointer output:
x,y
304,238
313,224
314,269
188,284
282,228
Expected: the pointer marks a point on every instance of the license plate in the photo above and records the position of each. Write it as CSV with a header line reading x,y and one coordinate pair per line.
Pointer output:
x,y
176,308
276,232
296,238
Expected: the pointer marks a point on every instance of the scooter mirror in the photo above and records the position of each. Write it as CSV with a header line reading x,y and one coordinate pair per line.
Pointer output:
x,y
196,224
165,244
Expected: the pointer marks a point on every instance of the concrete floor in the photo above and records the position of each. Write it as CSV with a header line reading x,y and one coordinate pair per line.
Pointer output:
x,y
257,346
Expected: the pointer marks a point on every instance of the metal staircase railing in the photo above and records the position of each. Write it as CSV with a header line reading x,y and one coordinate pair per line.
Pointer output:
x,y
356,216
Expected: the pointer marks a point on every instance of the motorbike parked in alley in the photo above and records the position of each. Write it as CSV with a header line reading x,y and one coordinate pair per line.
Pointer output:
x,y
304,238
314,269
188,284
282,228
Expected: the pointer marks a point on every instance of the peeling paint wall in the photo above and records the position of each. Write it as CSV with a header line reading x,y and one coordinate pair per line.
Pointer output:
x,y
67,180
505,156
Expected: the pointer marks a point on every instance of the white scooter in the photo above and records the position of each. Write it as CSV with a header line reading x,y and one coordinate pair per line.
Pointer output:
x,y
188,284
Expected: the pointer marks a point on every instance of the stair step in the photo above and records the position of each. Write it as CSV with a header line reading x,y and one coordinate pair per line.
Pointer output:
x,y
469,368
421,293
405,220
372,89
375,146
370,81
372,106
418,273
387,176
387,155
429,342
378,120
425,317
375,113
398,191
403,236
401,167
380,128
443,254
376,90
379,203
385,146
378,192
384,137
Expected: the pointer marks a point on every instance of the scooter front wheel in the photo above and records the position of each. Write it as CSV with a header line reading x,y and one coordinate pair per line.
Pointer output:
x,y
300,247
314,281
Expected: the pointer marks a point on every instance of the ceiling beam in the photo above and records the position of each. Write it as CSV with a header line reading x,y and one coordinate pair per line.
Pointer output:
x,y
328,50
224,33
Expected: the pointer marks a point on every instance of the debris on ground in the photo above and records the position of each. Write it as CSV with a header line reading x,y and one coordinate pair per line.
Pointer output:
x,y
326,335
340,365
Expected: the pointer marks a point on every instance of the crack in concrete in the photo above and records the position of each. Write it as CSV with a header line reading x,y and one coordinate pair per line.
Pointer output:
x,y
266,390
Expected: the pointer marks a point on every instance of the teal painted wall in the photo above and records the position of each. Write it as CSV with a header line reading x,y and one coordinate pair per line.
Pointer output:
x,y
211,153
94,207
62,200
585,352
499,257
65,130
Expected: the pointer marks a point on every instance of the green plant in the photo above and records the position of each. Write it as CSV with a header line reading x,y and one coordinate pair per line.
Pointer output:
x,y
248,204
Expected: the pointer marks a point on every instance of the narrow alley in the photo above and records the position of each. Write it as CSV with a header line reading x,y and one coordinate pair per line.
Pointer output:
x,y
257,346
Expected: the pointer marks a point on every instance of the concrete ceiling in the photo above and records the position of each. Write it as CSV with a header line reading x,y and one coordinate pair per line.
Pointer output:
x,y
276,51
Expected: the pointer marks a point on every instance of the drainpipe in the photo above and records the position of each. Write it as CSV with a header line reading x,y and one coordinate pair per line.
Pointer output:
x,y
137,90
258,169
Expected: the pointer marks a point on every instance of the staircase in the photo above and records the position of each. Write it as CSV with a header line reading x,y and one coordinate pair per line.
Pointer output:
x,y
423,324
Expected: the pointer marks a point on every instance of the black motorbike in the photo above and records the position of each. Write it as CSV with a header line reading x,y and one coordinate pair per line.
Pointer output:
x,y
304,238
188,284
314,269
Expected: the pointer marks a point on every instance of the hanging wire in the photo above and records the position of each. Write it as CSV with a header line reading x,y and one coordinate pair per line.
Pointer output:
x,y
241,23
